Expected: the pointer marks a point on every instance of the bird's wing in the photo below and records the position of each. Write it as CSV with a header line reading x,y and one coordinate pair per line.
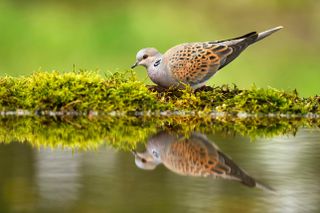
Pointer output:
x,y
187,156
194,63
237,45
226,168
219,164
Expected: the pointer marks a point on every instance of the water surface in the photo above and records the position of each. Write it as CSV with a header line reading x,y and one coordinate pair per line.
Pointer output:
x,y
108,180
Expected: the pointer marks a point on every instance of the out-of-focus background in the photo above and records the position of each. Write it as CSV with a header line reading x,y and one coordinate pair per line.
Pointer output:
x,y
105,35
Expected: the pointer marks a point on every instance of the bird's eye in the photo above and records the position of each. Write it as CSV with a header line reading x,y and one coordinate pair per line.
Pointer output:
x,y
145,56
143,160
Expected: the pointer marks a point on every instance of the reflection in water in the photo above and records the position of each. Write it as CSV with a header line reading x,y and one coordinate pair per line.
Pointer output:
x,y
192,156
106,180
57,177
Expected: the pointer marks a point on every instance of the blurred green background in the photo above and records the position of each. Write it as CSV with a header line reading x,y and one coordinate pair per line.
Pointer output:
x,y
105,35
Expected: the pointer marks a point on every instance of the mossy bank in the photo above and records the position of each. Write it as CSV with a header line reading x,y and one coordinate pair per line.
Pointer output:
x,y
86,91
126,132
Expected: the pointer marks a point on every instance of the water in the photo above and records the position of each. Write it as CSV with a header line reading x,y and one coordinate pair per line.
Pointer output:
x,y
37,179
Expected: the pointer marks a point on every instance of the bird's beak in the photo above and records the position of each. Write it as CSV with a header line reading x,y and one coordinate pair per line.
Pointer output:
x,y
133,66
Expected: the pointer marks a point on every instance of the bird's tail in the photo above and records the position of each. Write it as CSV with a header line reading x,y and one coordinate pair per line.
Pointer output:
x,y
241,43
266,33
236,173
265,187
251,182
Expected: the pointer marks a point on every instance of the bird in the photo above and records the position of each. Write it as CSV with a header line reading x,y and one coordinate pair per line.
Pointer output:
x,y
193,155
194,63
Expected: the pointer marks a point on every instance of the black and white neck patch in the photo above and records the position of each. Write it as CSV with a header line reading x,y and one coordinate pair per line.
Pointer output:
x,y
157,63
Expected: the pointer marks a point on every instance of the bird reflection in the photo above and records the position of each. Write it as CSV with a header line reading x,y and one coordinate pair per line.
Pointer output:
x,y
192,156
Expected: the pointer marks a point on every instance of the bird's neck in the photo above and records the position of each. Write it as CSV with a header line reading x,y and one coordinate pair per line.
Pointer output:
x,y
157,71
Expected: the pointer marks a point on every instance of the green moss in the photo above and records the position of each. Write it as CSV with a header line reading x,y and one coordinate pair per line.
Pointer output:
x,y
120,111
79,133
125,133
84,91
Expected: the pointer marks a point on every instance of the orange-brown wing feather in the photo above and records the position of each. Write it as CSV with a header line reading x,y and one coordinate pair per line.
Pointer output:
x,y
195,156
195,63
192,157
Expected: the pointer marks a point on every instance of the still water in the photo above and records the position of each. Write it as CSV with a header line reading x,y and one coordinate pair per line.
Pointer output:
x,y
110,180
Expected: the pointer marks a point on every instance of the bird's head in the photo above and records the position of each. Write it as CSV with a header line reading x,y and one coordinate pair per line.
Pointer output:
x,y
145,57
145,160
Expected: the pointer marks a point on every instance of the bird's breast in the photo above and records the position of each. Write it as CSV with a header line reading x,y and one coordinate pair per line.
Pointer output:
x,y
160,76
